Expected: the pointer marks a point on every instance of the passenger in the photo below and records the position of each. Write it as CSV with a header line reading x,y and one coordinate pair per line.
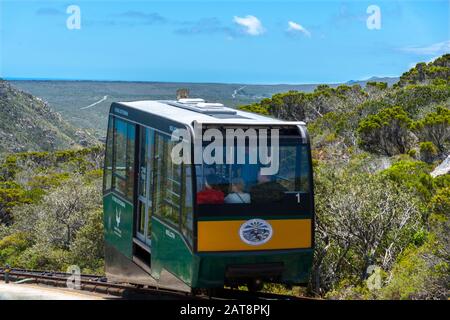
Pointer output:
x,y
267,189
210,194
223,185
237,194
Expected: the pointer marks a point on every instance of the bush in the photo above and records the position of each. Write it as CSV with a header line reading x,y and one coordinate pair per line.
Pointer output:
x,y
378,85
86,250
435,127
416,98
42,257
413,175
361,220
440,203
419,274
12,246
428,151
11,195
386,132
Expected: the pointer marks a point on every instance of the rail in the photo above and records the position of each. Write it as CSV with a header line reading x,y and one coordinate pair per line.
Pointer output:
x,y
99,284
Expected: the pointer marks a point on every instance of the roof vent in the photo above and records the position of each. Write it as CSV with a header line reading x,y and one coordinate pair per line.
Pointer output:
x,y
200,106
209,105
191,101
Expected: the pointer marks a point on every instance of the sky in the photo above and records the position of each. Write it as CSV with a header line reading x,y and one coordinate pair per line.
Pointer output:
x,y
256,42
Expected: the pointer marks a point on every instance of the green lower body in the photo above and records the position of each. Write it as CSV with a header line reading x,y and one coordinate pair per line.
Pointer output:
x,y
170,252
211,269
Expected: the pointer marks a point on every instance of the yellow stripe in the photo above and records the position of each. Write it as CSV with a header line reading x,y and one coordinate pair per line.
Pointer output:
x,y
224,235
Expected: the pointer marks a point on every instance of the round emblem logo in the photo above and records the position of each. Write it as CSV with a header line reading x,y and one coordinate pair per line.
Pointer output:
x,y
255,232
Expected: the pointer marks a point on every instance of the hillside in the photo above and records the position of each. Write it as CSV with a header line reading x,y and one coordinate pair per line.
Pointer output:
x,y
28,123
382,220
85,104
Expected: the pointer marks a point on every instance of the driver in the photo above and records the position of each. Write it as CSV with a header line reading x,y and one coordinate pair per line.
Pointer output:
x,y
267,189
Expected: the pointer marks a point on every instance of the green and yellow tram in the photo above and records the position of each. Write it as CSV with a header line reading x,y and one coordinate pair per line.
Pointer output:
x,y
203,222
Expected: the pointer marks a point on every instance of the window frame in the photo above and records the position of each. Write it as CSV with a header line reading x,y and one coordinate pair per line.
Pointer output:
x,y
109,154
129,159
188,237
158,176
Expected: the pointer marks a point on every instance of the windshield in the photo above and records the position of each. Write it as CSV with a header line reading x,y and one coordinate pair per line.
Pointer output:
x,y
249,182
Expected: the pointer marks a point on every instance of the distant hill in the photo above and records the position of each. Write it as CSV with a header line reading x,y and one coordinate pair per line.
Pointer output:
x,y
389,80
28,124
85,103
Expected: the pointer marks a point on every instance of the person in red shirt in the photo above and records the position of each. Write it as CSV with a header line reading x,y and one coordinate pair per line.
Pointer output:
x,y
211,193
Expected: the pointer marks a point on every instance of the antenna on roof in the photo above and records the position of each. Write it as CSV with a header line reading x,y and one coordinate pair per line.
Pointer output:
x,y
182,93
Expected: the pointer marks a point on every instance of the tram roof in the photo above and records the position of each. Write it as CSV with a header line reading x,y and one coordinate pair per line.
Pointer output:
x,y
202,112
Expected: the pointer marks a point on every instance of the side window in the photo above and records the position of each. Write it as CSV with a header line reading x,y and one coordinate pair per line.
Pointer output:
x,y
302,182
108,156
123,157
144,156
131,143
167,182
187,204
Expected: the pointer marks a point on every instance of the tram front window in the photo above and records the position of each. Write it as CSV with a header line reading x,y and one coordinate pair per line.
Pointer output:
x,y
249,183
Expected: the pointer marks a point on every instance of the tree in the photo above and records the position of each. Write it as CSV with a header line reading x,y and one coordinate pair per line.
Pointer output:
x,y
435,127
56,220
11,195
87,249
376,89
362,220
386,132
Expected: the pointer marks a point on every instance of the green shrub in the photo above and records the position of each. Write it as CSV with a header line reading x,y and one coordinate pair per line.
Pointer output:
x,y
440,203
418,274
435,127
428,151
42,257
419,237
412,153
386,132
413,175
86,250
377,85
255,108
12,246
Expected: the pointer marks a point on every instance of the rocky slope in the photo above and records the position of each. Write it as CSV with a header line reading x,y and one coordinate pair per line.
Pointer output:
x,y
27,123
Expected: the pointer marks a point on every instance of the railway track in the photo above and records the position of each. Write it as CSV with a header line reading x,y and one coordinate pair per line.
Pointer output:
x,y
99,284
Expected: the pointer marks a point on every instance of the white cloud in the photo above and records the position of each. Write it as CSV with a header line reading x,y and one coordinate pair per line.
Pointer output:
x,y
297,28
252,25
435,49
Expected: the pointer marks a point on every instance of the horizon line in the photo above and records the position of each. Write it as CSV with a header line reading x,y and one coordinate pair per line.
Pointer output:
x,y
190,82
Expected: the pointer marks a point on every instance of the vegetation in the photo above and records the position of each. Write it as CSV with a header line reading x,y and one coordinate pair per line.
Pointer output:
x,y
435,128
386,132
382,221
51,210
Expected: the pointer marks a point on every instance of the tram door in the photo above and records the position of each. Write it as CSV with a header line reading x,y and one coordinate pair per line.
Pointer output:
x,y
143,226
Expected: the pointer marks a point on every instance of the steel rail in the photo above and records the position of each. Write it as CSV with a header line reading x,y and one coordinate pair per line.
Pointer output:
x,y
99,284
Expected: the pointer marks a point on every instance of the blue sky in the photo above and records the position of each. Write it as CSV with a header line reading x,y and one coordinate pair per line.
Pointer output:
x,y
219,41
